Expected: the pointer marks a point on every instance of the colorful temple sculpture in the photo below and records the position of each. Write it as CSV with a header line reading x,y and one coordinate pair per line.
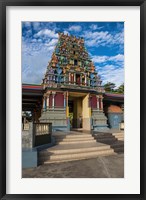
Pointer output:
x,y
73,96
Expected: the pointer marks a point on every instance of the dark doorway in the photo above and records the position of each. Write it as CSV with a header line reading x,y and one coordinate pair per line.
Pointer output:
x,y
71,108
75,62
78,81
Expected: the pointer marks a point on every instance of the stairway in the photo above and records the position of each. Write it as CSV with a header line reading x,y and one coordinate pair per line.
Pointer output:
x,y
115,140
74,146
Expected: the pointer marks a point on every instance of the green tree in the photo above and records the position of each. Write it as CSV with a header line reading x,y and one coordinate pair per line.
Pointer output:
x,y
120,89
109,87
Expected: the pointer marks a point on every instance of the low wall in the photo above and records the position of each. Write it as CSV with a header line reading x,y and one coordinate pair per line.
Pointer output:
x,y
42,139
42,133
27,137
29,158
38,134
115,119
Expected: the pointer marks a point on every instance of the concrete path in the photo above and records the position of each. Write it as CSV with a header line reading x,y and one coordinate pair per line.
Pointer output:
x,y
100,167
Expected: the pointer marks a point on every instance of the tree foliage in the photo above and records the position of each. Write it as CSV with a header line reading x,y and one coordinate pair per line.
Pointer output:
x,y
120,89
111,87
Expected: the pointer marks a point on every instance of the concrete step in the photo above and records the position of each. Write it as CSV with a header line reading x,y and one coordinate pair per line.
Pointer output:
x,y
117,145
119,149
73,136
118,134
78,146
102,140
76,142
78,156
120,138
71,151
103,136
74,139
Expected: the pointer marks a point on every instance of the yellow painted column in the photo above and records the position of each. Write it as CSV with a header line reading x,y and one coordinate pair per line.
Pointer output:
x,y
86,113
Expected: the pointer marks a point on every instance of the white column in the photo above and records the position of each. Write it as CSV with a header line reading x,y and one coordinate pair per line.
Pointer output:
x,y
69,77
53,102
97,102
74,78
85,79
48,101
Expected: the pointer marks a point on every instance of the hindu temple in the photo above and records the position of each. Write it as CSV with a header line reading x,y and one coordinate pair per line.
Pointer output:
x,y
73,94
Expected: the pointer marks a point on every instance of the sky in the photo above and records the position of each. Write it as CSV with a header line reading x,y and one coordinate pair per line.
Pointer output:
x,y
104,42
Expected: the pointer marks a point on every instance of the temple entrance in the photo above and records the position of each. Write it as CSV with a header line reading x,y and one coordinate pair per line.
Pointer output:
x,y
75,112
79,110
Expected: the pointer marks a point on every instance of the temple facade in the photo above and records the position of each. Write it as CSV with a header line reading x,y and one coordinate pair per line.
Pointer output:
x,y
73,96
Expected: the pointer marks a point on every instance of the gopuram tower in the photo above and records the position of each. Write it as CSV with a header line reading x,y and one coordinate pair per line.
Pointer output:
x,y
73,96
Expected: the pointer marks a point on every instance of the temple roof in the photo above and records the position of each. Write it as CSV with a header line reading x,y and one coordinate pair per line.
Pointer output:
x,y
71,64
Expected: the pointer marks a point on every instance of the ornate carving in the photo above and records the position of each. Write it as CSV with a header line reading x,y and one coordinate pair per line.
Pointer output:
x,y
71,56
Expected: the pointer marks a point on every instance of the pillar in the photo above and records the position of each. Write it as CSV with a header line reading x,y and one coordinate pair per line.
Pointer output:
x,y
74,78
53,100
64,99
80,79
69,77
67,112
101,102
85,79
86,111
44,103
48,96
67,108
97,102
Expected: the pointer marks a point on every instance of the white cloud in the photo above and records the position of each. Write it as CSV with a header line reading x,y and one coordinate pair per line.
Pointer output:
x,y
103,38
51,45
51,48
34,67
36,25
99,59
110,73
95,27
103,59
46,32
39,40
52,42
66,33
75,28
91,42
34,40
28,33
119,57
27,24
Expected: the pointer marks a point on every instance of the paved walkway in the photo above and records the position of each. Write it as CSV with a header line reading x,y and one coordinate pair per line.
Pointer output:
x,y
100,167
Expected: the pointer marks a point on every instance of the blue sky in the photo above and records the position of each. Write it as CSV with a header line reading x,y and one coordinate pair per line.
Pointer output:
x,y
103,40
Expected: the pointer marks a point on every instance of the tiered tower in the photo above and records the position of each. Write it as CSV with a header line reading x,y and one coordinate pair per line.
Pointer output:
x,y
72,88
